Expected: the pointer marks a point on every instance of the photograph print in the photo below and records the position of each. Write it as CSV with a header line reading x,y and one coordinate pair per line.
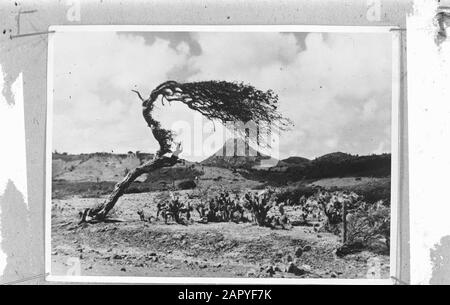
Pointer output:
x,y
257,154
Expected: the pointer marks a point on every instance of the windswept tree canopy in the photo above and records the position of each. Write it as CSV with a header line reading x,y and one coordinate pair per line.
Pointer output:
x,y
227,102
216,100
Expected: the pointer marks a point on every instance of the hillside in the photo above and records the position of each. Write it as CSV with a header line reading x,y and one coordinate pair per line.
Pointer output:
x,y
295,161
334,165
334,157
96,166
289,163
96,173
110,167
346,165
236,154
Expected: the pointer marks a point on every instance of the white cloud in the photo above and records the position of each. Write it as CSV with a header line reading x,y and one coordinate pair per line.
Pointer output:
x,y
336,91
242,56
323,89
369,109
94,73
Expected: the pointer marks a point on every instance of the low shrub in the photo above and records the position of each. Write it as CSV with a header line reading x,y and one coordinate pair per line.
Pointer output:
x,y
187,185
295,196
223,207
138,187
366,222
179,211
369,223
260,205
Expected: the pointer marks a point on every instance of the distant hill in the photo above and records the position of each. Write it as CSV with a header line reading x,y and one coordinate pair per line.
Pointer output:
x,y
236,154
334,157
216,171
346,165
96,174
334,165
296,160
95,166
284,164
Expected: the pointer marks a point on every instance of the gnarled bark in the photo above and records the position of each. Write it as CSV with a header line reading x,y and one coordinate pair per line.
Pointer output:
x,y
100,211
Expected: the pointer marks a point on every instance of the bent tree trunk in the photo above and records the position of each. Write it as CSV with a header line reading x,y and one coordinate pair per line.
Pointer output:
x,y
100,211
216,100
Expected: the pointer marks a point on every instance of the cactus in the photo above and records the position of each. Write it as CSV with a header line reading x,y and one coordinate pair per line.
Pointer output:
x,y
260,206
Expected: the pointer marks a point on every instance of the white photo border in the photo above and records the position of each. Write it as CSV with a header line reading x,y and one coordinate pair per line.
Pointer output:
x,y
395,154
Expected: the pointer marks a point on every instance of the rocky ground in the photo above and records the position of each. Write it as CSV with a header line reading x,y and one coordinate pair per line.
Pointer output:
x,y
156,249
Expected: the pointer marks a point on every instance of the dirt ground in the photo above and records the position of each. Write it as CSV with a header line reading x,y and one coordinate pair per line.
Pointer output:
x,y
136,248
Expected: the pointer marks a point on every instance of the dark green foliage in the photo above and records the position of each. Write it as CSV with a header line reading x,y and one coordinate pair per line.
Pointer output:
x,y
366,166
372,194
260,206
227,206
353,166
138,187
331,204
368,223
263,205
223,207
294,196
174,173
187,185
227,102
179,211
295,160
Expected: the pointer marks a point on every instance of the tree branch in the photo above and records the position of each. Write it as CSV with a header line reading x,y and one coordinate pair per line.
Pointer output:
x,y
139,95
100,211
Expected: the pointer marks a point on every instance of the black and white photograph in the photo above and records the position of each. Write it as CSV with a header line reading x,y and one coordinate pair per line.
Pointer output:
x,y
212,154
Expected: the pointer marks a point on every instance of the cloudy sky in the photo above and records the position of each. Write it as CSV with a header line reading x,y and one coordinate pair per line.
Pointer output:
x,y
335,87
